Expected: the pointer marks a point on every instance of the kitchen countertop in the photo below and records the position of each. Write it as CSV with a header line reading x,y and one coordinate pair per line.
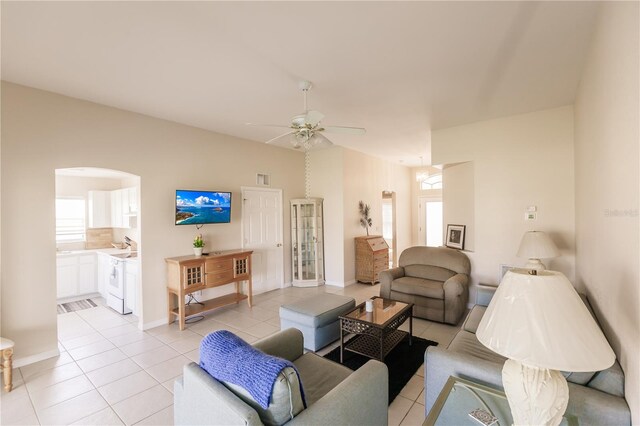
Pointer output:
x,y
108,251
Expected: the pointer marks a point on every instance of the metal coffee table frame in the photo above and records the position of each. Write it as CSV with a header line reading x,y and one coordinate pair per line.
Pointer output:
x,y
374,340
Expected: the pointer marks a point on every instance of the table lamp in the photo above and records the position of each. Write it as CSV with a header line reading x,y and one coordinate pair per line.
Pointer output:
x,y
542,326
536,245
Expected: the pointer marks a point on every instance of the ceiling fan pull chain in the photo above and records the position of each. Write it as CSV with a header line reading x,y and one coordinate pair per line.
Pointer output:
x,y
305,99
307,174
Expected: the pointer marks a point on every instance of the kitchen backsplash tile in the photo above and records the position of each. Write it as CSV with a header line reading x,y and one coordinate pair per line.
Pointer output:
x,y
99,238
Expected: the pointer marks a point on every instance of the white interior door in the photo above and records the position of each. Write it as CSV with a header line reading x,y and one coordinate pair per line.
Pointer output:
x,y
262,233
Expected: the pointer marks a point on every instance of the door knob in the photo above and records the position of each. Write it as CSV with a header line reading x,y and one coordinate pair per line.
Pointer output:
x,y
279,245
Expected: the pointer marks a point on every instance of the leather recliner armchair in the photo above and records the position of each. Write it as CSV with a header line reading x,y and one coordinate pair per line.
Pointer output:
x,y
434,279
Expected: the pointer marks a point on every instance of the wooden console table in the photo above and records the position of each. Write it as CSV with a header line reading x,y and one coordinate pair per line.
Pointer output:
x,y
188,274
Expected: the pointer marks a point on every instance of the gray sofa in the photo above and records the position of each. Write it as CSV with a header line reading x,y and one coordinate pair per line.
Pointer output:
x,y
595,398
434,279
334,394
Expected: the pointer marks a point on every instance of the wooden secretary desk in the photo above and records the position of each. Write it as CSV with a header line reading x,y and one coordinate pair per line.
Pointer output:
x,y
188,274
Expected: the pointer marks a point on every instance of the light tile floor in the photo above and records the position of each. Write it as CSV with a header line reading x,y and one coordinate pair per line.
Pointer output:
x,y
111,373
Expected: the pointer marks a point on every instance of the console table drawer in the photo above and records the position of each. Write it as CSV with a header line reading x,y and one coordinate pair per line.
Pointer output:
x,y
217,265
219,277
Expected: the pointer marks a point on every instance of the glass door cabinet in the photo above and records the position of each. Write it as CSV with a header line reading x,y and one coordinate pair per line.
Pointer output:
x,y
307,242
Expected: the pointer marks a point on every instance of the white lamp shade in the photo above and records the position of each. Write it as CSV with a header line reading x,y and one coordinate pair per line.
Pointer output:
x,y
541,321
537,245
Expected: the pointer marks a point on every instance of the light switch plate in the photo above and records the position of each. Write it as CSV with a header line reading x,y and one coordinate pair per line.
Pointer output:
x,y
532,208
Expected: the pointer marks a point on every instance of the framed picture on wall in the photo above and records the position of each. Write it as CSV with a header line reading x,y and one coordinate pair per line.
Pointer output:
x,y
455,236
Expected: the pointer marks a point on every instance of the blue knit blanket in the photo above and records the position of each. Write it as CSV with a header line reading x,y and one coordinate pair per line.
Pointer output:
x,y
228,358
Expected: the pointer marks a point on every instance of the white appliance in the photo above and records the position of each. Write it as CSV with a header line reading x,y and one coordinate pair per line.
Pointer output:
x,y
116,291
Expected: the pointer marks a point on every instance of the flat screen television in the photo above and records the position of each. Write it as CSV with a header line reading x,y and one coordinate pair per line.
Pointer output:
x,y
202,207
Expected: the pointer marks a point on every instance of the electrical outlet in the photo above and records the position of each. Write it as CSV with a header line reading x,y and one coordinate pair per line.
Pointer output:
x,y
530,216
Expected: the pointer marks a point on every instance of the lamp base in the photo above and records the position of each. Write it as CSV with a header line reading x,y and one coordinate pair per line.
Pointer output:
x,y
537,396
535,265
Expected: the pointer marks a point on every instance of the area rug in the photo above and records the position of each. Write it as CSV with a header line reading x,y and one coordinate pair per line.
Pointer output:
x,y
78,305
403,362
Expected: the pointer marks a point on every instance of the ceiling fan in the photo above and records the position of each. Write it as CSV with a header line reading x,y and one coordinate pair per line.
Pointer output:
x,y
306,130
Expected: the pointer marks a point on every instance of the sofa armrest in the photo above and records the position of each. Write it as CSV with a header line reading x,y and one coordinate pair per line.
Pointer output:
x,y
287,344
199,399
360,399
386,277
441,363
456,296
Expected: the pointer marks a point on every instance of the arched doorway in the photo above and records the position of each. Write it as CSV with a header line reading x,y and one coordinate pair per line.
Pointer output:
x,y
98,274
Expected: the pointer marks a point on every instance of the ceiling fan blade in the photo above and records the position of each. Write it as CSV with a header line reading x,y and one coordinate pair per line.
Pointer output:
x,y
318,140
313,117
345,130
268,125
277,138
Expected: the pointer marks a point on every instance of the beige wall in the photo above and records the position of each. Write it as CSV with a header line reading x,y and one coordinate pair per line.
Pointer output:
x,y
517,161
326,182
365,178
459,204
343,177
607,186
43,131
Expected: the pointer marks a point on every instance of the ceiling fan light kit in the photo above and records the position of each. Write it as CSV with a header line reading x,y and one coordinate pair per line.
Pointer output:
x,y
306,131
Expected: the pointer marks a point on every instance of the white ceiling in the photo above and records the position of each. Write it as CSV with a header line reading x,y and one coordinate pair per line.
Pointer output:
x,y
399,69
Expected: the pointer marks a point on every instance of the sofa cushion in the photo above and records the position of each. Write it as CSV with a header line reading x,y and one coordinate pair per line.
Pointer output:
x,y
318,310
286,399
319,375
429,272
610,380
468,343
419,287
443,257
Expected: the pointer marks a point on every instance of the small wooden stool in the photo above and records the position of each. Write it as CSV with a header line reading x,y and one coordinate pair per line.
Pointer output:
x,y
6,347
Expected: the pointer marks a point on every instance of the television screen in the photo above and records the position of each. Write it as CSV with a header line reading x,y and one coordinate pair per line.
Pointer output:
x,y
200,207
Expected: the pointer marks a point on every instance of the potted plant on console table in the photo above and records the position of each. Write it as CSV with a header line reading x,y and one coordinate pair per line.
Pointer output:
x,y
198,245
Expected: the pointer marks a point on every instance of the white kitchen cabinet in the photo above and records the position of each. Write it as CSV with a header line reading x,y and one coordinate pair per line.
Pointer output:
x,y
129,201
131,274
116,209
76,275
67,276
124,207
133,200
87,274
99,209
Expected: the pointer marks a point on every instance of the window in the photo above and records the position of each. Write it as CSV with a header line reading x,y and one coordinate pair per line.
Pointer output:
x,y
70,220
432,182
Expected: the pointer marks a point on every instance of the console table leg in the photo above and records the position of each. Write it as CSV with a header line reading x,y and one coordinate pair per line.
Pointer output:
x,y
181,309
250,298
7,369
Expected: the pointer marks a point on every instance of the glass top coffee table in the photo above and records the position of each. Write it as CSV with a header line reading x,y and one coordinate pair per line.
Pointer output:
x,y
376,332
463,402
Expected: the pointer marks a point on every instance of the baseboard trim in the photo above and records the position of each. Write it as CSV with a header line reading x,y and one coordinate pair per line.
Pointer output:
x,y
348,283
334,283
26,360
153,324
